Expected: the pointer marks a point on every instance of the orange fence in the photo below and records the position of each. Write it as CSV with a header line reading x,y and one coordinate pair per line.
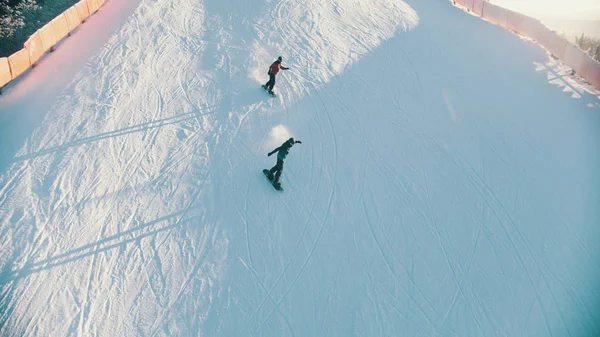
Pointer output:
x,y
524,25
5,75
475,6
45,39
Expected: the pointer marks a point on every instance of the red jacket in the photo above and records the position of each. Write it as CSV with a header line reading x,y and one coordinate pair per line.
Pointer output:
x,y
275,67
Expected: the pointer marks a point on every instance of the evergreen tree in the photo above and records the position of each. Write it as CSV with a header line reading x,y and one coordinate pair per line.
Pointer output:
x,y
11,15
589,45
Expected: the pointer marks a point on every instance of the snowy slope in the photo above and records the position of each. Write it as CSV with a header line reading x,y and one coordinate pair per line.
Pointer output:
x,y
443,187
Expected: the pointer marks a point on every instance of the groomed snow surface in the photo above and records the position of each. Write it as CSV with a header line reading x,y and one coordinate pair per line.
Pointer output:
x,y
447,184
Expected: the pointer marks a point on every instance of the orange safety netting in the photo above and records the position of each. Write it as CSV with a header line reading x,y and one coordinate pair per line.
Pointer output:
x,y
574,57
477,6
556,44
542,35
5,75
48,36
72,17
591,71
35,47
531,27
45,38
61,28
496,14
82,10
92,5
515,21
19,62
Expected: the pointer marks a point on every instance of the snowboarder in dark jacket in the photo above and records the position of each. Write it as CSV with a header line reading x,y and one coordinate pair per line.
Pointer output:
x,y
273,70
282,152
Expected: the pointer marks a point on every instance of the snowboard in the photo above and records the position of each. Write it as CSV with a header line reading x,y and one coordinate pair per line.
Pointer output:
x,y
272,94
266,173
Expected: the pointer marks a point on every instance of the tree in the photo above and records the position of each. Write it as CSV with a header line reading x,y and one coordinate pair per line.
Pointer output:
x,y
11,15
589,45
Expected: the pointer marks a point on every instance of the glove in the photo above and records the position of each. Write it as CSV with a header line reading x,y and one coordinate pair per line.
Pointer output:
x,y
270,153
298,142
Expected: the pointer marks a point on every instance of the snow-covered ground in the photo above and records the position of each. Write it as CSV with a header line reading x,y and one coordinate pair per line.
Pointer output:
x,y
447,184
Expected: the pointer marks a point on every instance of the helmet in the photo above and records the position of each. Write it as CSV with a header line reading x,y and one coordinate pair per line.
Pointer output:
x,y
291,141
279,58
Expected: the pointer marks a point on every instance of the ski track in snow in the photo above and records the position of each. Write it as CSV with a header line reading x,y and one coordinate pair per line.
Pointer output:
x,y
420,201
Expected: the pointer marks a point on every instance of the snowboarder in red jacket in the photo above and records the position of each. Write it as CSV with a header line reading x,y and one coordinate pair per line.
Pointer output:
x,y
273,70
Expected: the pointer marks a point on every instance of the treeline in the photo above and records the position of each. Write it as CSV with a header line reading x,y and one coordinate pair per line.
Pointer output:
x,y
12,14
590,45
19,19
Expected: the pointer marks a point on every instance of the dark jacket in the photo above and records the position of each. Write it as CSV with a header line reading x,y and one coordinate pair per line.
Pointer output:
x,y
284,149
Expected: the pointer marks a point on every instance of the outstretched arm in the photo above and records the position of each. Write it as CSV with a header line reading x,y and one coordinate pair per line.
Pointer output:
x,y
284,68
277,149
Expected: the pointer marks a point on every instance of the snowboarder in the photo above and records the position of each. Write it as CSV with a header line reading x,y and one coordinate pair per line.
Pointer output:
x,y
273,70
282,151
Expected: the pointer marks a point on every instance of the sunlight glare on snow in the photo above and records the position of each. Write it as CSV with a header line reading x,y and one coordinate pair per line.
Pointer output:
x,y
277,136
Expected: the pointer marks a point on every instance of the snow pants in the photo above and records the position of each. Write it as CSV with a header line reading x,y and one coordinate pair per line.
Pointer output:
x,y
277,169
269,85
